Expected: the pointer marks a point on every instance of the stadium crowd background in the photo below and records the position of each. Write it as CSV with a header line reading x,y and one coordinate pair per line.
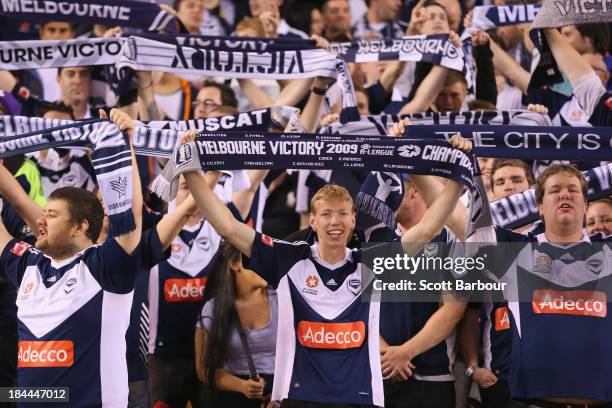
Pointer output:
x,y
192,287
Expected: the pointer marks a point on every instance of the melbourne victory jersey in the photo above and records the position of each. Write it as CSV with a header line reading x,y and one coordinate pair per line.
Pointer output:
x,y
327,346
561,325
72,319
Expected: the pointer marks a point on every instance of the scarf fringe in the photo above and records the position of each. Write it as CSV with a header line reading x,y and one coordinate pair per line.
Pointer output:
x,y
161,187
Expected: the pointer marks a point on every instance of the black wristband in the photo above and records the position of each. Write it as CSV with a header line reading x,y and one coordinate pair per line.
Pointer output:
x,y
318,91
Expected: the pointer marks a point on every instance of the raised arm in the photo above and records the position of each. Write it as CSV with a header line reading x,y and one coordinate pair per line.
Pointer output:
x,y
430,187
312,111
510,68
438,212
131,240
433,220
171,224
218,215
568,59
14,194
257,97
243,200
7,81
293,92
427,91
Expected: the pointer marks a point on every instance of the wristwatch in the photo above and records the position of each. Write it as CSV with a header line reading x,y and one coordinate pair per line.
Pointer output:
x,y
469,372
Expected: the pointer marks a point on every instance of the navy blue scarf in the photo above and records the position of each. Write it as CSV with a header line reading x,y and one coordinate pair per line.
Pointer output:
x,y
156,138
526,142
125,13
490,17
237,150
111,159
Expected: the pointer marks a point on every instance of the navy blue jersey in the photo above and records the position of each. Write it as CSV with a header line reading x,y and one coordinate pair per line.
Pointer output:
x,y
17,227
137,334
76,172
560,344
364,30
496,336
72,318
176,289
327,346
563,110
400,321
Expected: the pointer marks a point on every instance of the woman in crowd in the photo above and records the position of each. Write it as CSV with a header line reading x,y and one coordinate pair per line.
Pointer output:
x,y
236,299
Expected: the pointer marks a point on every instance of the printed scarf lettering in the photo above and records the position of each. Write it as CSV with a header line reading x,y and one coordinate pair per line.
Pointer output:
x,y
111,159
125,13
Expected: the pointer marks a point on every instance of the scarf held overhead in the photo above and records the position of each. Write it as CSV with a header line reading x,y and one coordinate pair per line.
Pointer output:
x,y
305,151
156,138
16,55
435,49
111,159
490,17
148,55
526,142
559,13
111,13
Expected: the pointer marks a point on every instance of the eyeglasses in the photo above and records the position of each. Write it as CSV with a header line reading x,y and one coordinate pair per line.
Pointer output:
x,y
206,104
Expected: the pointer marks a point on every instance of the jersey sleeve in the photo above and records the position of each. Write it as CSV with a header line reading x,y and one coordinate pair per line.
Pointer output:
x,y
235,211
151,250
205,320
588,90
15,258
272,259
112,267
499,246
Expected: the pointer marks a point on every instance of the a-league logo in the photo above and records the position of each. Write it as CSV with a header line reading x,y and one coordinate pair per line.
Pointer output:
x,y
409,150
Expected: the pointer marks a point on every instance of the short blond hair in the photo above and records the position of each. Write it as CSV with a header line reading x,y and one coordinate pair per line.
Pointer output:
x,y
331,192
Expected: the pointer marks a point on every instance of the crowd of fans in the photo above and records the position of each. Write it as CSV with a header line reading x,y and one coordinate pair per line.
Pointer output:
x,y
213,300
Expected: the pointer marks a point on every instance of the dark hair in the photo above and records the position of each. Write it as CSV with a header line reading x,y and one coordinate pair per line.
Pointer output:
x,y
434,3
60,69
228,97
56,107
14,163
220,286
44,23
499,163
83,205
176,4
599,35
299,15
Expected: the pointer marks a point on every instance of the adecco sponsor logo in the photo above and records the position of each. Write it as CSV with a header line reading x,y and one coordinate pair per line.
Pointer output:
x,y
331,335
576,302
502,319
45,353
184,290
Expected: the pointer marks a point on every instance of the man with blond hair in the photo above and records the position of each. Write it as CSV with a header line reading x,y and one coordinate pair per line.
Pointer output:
x,y
328,344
